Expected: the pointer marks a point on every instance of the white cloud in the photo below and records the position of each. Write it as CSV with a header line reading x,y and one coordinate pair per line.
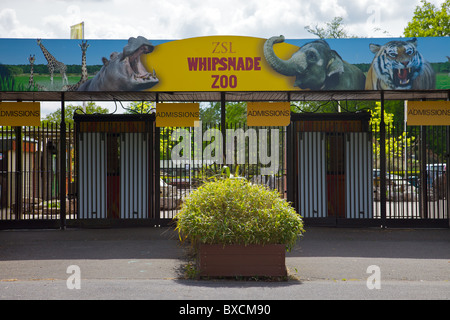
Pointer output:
x,y
172,19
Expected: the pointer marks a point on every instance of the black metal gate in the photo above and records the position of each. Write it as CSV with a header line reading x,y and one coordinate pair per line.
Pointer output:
x,y
334,172
117,171
30,176
330,168
241,154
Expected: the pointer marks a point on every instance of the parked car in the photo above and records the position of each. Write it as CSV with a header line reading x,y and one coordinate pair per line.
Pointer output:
x,y
436,180
435,170
393,181
397,187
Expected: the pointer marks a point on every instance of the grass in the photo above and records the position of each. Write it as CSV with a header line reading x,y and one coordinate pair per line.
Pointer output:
x,y
44,80
442,81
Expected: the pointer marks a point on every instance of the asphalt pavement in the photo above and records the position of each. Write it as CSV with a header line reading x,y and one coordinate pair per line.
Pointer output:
x,y
149,263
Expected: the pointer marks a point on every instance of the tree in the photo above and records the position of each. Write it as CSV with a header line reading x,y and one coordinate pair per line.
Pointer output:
x,y
55,117
210,113
429,21
395,142
140,107
334,29
235,112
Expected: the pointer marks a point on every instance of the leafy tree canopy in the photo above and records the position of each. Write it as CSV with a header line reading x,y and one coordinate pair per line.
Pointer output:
x,y
55,117
140,107
334,29
235,112
429,21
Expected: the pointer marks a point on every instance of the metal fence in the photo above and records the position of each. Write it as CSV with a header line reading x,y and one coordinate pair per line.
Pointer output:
x,y
335,172
30,174
186,164
141,175
416,181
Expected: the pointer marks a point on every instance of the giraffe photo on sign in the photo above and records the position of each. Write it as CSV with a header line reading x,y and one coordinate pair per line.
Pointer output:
x,y
53,65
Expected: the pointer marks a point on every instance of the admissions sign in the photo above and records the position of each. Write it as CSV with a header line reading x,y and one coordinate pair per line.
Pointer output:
x,y
177,114
428,113
224,63
18,114
268,113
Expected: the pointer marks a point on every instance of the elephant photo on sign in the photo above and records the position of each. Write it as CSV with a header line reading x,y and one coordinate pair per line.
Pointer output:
x,y
315,66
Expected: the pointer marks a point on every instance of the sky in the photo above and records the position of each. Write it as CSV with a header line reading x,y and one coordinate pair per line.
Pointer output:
x,y
180,19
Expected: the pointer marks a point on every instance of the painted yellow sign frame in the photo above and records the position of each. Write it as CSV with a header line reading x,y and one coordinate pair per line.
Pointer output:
x,y
17,114
177,114
428,113
268,114
217,63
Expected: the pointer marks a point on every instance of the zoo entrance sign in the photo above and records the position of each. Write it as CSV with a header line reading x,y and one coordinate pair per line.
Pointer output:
x,y
224,63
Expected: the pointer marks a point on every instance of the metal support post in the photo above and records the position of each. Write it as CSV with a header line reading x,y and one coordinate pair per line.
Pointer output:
x,y
383,188
62,166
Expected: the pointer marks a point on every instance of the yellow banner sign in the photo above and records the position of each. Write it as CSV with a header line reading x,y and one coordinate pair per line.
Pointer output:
x,y
428,113
177,114
16,114
268,113
217,63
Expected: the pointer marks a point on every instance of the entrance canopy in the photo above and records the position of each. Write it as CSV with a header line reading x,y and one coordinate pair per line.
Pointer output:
x,y
228,96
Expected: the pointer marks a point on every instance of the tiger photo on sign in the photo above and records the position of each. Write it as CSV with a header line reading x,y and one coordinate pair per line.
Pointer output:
x,y
399,65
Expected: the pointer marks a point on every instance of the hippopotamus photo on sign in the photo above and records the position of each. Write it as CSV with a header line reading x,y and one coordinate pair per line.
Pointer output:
x,y
124,71
316,67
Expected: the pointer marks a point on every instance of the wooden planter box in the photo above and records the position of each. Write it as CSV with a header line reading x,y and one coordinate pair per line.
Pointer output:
x,y
240,260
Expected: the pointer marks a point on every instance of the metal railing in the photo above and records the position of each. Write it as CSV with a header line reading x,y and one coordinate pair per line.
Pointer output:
x,y
30,173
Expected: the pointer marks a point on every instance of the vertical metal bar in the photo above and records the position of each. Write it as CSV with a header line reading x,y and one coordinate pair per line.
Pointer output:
x,y
36,157
423,173
11,177
48,166
62,161
2,171
417,172
382,164
24,171
290,163
156,157
447,174
431,211
223,123
323,175
19,180
90,153
25,168
69,167
149,164
315,148
127,164
77,170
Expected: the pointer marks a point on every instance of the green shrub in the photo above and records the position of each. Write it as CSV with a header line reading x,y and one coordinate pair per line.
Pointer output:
x,y
235,211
